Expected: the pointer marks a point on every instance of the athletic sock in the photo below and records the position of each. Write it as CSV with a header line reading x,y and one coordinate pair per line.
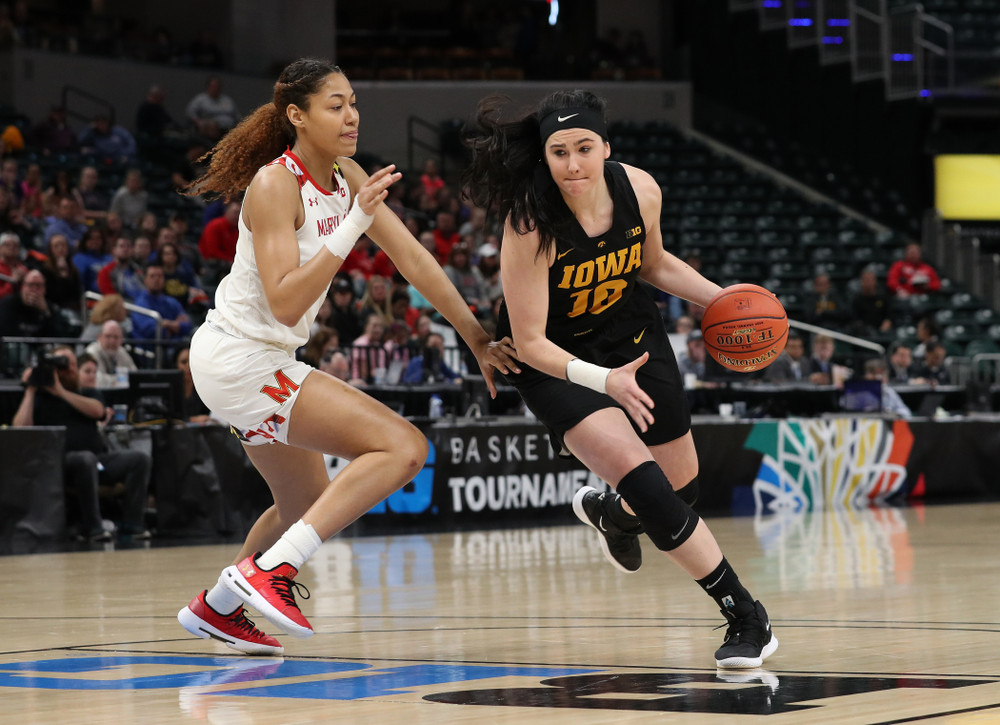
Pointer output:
x,y
724,586
222,600
295,546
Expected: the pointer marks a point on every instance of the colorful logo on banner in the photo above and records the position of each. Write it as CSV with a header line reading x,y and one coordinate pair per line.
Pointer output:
x,y
809,465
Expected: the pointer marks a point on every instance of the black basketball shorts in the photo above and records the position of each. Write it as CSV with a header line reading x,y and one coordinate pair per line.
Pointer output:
x,y
560,404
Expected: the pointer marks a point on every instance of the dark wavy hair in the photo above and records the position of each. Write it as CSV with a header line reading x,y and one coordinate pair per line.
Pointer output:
x,y
507,172
264,134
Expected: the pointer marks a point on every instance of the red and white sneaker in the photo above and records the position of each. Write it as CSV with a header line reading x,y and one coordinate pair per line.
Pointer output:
x,y
270,593
234,630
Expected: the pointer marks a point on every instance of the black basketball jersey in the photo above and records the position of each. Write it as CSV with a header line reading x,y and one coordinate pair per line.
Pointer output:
x,y
592,278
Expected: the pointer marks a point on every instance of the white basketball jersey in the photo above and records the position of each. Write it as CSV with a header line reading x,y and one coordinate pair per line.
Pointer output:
x,y
241,307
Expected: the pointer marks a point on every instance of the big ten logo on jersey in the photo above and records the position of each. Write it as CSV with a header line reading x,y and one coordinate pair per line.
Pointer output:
x,y
598,281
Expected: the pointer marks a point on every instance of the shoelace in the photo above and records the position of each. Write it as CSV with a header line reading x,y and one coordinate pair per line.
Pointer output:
x,y
284,587
745,625
242,621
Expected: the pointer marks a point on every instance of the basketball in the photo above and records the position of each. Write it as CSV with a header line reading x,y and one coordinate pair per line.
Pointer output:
x,y
745,328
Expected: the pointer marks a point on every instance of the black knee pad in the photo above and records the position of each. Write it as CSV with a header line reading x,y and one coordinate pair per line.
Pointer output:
x,y
689,494
668,520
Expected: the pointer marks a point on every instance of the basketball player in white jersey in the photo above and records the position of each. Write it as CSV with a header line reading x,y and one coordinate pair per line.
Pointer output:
x,y
296,227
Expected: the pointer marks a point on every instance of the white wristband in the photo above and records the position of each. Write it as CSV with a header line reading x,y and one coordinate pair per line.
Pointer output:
x,y
588,375
344,237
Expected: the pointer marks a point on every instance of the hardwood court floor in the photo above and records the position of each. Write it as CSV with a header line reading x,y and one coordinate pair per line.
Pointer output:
x,y
884,616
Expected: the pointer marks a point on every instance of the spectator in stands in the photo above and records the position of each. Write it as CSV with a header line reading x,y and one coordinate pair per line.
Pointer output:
x,y
445,236
180,280
932,370
88,376
174,320
152,117
131,199
911,274
475,226
822,370
430,179
121,274
218,241
91,199
402,312
10,179
67,222
28,314
321,341
212,112
31,192
376,300
870,307
60,188
88,460
678,338
368,355
900,370
188,167
692,360
142,250
876,369
343,317
927,330
791,365
12,269
62,280
53,135
113,361
112,228
109,307
193,409
108,140
466,278
489,271
429,365
91,258
824,305
337,365
148,226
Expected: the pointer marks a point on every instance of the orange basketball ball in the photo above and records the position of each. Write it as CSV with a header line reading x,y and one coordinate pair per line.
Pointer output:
x,y
745,328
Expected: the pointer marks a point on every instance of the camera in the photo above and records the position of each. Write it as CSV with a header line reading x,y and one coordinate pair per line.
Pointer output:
x,y
44,373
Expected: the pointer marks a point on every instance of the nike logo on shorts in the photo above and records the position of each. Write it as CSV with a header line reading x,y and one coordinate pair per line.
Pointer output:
x,y
639,337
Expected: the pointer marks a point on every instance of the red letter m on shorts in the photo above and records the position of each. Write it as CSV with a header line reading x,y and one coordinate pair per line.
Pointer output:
x,y
284,390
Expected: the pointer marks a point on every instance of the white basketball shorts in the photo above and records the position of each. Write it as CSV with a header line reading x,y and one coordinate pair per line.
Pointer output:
x,y
249,384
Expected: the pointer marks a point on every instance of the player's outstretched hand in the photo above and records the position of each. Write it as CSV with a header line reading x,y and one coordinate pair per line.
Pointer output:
x,y
374,191
500,355
622,386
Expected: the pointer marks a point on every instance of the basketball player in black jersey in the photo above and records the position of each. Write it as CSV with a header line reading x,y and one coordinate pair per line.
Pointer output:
x,y
580,231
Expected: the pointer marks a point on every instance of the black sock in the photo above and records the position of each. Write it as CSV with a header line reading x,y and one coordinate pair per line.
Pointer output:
x,y
724,586
619,516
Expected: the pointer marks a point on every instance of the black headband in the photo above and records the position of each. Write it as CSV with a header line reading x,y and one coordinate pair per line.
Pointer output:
x,y
572,118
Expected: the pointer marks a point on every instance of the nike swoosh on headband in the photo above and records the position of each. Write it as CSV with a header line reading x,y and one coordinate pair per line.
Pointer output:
x,y
566,118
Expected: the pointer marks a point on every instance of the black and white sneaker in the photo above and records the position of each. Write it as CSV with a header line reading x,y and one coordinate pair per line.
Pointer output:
x,y
620,546
749,640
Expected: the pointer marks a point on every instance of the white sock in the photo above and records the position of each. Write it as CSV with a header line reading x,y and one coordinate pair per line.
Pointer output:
x,y
222,600
295,546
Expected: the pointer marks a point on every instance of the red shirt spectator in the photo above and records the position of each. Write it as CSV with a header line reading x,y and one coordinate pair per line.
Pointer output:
x,y
911,275
383,266
10,262
218,238
445,236
359,260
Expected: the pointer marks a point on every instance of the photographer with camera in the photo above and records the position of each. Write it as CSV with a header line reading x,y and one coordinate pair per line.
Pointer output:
x,y
52,397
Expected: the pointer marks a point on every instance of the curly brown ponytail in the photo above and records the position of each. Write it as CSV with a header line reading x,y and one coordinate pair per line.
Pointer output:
x,y
263,135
